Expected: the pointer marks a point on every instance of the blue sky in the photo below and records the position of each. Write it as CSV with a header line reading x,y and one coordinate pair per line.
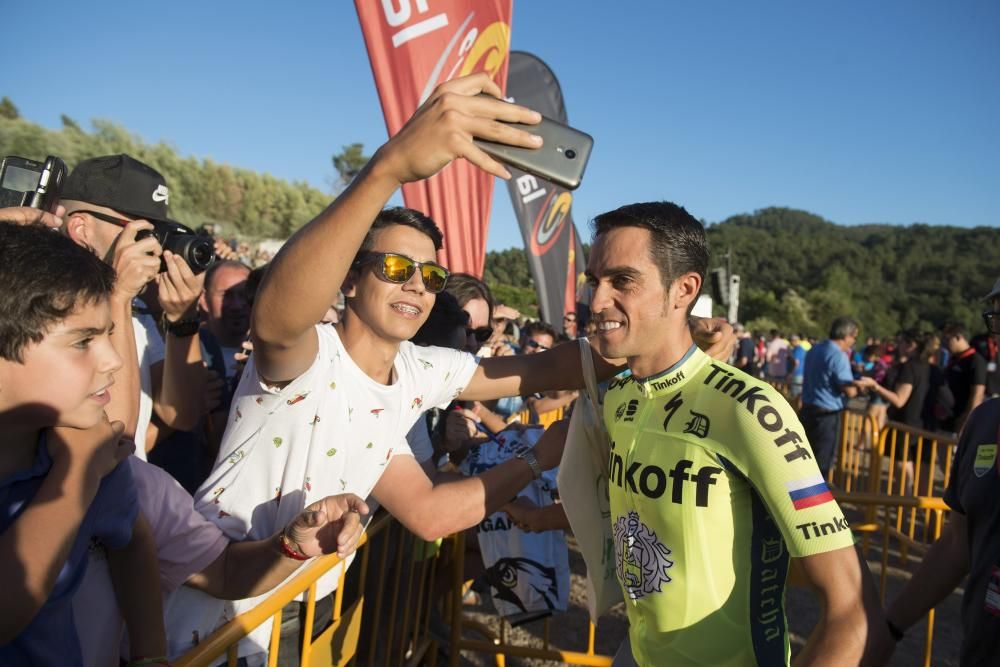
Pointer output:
x,y
857,111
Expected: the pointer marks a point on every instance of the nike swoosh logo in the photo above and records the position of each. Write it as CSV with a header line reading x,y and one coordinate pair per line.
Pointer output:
x,y
161,194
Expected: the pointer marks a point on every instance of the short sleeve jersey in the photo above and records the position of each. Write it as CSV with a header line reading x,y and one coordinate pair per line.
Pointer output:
x,y
973,491
51,638
713,487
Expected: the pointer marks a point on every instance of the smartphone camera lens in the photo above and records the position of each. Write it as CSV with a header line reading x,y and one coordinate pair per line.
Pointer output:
x,y
570,154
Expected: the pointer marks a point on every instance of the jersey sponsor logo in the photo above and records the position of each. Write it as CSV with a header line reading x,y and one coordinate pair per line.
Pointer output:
x,y
667,382
758,403
627,410
771,549
698,425
671,407
812,529
986,455
641,561
809,492
651,480
619,382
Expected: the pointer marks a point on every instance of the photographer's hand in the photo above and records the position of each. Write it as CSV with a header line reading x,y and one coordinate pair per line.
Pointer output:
x,y
179,288
135,262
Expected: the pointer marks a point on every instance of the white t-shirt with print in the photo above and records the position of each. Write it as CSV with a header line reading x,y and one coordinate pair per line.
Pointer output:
x,y
331,430
150,349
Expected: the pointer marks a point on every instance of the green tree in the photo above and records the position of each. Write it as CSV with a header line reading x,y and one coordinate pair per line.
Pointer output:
x,y
8,110
349,162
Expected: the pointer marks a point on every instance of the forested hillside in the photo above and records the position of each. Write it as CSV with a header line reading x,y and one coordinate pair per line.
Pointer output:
x,y
799,271
245,202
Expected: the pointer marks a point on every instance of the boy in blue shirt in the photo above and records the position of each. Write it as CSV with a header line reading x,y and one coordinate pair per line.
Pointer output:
x,y
62,483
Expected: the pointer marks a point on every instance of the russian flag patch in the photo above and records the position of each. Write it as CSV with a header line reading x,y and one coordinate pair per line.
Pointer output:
x,y
809,492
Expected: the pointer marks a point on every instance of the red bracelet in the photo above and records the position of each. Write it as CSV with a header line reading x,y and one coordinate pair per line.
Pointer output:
x,y
287,550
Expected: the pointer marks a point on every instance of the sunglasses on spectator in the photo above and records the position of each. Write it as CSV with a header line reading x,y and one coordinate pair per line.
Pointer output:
x,y
121,222
535,345
992,320
400,268
569,318
482,334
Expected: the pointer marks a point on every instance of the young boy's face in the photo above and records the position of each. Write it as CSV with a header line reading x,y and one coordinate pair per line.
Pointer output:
x,y
64,379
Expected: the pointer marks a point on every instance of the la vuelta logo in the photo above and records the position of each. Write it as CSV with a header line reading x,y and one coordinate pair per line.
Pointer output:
x,y
550,221
469,48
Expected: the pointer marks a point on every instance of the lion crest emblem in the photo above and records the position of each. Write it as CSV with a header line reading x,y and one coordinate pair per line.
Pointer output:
x,y
641,561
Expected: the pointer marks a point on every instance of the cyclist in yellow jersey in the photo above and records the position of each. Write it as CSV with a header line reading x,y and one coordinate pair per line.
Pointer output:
x,y
713,486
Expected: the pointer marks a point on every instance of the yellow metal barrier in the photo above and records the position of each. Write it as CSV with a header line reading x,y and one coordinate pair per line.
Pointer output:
x,y
913,462
884,524
403,620
858,452
545,420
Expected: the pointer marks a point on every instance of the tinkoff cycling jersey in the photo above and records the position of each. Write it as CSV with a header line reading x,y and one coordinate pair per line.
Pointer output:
x,y
713,487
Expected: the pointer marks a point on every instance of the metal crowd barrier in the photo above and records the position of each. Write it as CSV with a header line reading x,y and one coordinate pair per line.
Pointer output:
x,y
545,419
884,524
401,603
896,477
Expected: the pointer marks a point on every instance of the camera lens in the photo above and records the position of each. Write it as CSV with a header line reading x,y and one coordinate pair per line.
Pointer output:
x,y
201,254
570,154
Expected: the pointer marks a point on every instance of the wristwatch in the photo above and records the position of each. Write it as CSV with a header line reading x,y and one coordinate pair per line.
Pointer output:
x,y
528,457
181,328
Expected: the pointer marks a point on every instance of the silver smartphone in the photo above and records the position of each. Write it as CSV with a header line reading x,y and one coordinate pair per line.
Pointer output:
x,y
562,158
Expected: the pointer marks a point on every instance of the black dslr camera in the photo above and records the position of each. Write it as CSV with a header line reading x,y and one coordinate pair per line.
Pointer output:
x,y
25,182
195,249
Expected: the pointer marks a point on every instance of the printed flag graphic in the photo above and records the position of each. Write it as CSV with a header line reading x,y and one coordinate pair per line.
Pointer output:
x,y
809,492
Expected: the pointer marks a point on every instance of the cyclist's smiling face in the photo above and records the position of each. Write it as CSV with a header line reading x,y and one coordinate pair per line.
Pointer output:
x,y
637,317
629,301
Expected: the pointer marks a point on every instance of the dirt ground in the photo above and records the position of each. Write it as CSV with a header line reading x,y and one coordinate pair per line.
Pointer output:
x,y
568,630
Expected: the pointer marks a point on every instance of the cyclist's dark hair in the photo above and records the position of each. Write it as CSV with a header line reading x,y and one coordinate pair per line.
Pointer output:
x,y
678,244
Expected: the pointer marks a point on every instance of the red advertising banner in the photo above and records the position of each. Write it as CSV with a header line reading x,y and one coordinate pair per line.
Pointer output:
x,y
413,46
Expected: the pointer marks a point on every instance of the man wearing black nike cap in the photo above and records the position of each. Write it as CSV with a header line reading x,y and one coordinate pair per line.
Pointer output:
x,y
108,201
